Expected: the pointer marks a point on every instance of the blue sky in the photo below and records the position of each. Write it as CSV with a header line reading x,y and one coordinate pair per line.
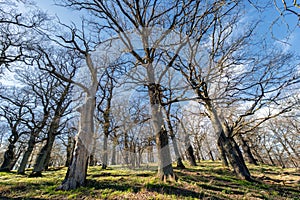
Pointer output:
x,y
283,27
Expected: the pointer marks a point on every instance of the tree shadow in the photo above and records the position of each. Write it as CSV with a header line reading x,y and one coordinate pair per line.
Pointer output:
x,y
172,190
19,198
115,186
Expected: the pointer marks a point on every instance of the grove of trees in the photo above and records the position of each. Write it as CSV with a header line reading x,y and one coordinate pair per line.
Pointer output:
x,y
147,82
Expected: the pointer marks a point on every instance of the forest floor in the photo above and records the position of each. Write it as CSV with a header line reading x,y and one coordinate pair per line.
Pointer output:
x,y
208,180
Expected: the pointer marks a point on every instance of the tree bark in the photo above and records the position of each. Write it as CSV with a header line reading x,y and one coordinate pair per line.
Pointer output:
x,y
126,148
150,157
180,164
70,148
198,149
43,157
93,160
222,154
188,146
233,154
165,169
113,156
258,156
247,151
190,153
28,152
106,126
269,155
105,153
9,156
76,174
292,147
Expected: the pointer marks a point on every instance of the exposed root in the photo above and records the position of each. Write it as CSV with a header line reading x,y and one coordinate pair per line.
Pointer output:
x,y
168,177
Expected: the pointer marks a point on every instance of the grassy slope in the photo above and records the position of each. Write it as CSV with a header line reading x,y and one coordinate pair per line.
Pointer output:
x,y
209,180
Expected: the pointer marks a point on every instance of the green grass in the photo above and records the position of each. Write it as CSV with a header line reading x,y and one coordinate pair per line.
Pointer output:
x,y
208,180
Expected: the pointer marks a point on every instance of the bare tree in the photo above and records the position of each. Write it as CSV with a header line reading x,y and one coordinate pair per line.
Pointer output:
x,y
104,101
15,109
75,51
288,7
17,30
227,76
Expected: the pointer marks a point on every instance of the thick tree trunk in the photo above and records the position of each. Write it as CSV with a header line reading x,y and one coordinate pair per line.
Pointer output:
x,y
189,148
180,164
114,148
233,154
126,148
140,156
9,156
222,154
247,151
76,174
70,148
165,169
133,156
150,156
191,156
105,152
198,149
28,152
43,157
93,160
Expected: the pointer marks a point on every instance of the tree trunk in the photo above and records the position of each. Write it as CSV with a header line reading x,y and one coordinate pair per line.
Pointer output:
x,y
140,157
234,156
70,148
269,155
132,155
198,149
113,156
28,152
188,146
43,157
292,148
190,153
279,158
9,156
180,164
291,157
247,151
93,160
18,154
126,148
165,169
150,153
77,171
105,152
258,156
211,156
222,154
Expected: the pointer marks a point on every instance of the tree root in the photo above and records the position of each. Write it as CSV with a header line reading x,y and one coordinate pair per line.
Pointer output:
x,y
168,177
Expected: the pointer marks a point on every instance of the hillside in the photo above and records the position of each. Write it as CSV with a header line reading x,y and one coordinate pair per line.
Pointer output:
x,y
209,180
